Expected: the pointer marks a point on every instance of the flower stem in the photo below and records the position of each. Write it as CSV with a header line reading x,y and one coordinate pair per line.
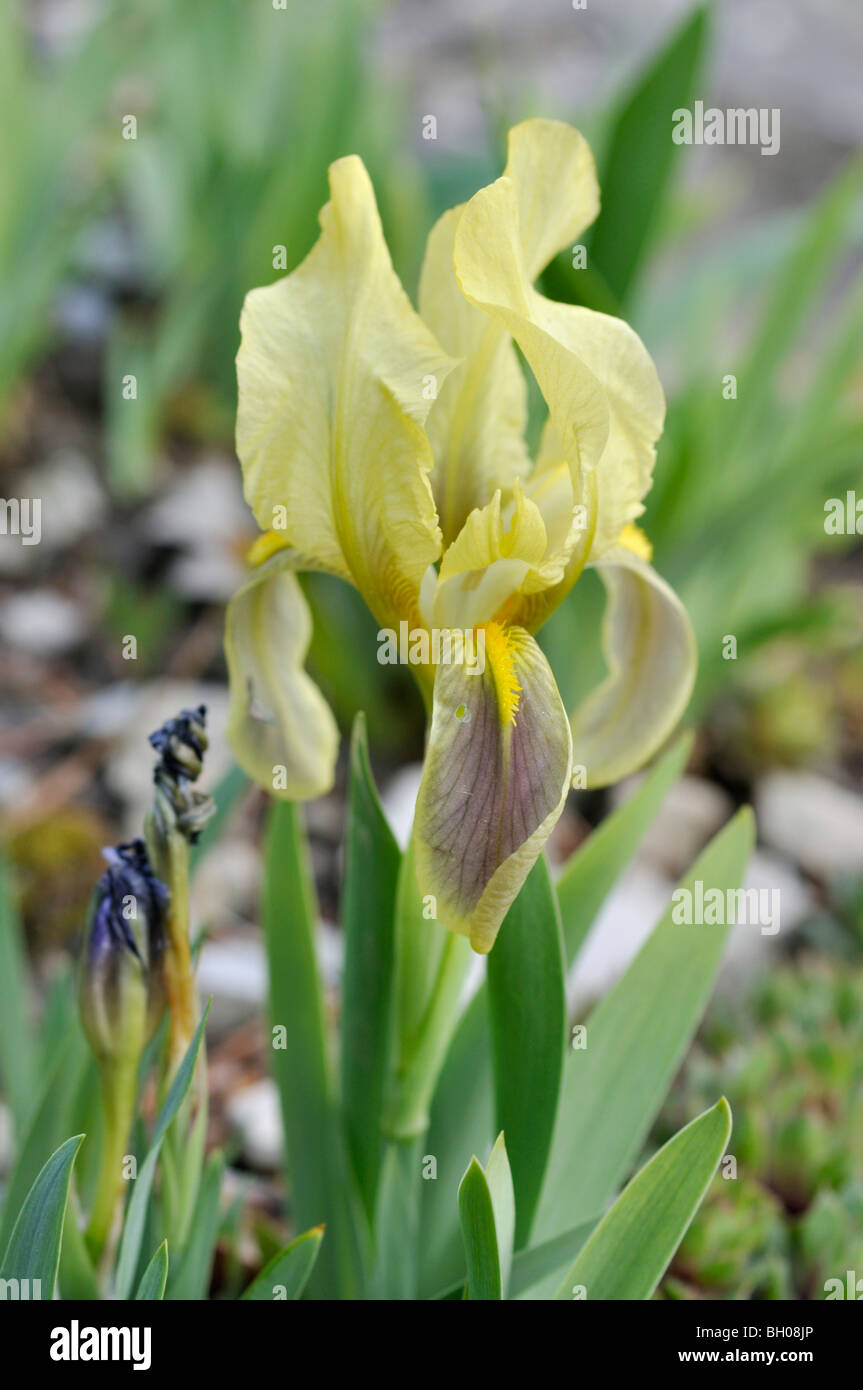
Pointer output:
x,y
119,1094
418,1073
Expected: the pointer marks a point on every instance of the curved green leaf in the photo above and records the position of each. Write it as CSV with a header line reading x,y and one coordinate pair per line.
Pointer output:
x,y
636,1038
192,1279
136,1211
33,1252
640,155
153,1280
533,1266
77,1278
633,1244
288,1270
486,1204
51,1118
462,1120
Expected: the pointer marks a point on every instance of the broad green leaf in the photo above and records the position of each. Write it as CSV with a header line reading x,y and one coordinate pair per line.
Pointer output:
x,y
317,1162
533,1265
368,920
17,1045
636,1038
632,1246
462,1120
527,1004
396,1230
486,1204
288,1272
33,1252
136,1211
153,1280
192,1279
77,1278
462,1123
51,1119
640,155
591,873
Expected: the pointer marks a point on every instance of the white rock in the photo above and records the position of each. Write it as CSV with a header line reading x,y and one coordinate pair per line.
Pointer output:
x,y
16,779
784,900
812,821
234,972
73,499
41,621
202,512
226,882
254,1114
623,925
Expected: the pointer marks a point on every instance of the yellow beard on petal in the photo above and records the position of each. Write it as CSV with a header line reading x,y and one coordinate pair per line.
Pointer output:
x,y
264,546
634,539
501,658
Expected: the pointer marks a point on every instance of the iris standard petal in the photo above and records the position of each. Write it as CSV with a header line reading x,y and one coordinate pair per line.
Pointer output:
x,y
477,426
336,376
597,378
496,776
490,559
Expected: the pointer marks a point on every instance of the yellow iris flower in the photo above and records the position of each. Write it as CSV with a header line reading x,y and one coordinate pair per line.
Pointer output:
x,y
387,447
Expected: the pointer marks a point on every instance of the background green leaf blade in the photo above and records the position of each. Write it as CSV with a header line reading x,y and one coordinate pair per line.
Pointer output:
x,y
636,1038
33,1252
153,1280
640,156
136,1211
487,1210
289,1269
628,1253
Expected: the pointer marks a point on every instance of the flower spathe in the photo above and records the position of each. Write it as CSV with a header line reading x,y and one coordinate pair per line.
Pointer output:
x,y
387,447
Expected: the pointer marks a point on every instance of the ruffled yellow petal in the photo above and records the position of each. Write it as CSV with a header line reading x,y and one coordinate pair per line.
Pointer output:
x,y
602,390
570,518
554,174
489,560
336,376
477,425
496,776
651,657
279,725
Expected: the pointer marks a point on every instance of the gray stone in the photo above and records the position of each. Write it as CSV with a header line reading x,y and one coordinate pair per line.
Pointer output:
x,y
812,821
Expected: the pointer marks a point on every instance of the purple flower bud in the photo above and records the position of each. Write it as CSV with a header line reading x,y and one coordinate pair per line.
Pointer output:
x,y
121,993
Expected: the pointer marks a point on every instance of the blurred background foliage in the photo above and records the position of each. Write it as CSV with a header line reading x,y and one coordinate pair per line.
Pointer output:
x,y
133,256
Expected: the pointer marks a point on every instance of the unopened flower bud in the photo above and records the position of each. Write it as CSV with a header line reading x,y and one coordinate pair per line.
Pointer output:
x,y
181,743
121,992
